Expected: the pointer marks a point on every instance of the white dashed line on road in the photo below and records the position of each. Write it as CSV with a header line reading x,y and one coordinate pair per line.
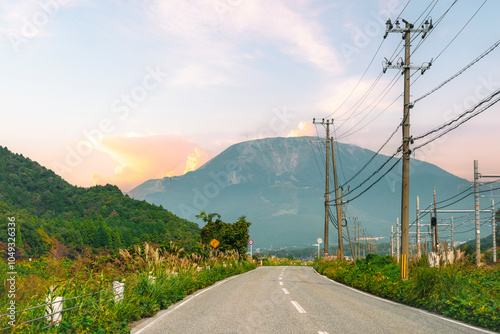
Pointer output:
x,y
298,307
286,291
281,283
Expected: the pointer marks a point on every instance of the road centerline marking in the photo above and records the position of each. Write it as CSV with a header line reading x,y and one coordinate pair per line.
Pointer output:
x,y
286,291
281,283
298,307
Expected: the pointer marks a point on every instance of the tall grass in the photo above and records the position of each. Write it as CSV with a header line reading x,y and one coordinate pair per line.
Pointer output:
x,y
154,277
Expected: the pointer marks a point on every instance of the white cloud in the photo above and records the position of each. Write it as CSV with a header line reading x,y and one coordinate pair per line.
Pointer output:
x,y
214,36
23,20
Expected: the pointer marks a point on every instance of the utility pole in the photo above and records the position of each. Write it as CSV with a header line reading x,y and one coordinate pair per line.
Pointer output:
x,y
426,244
349,237
338,206
364,244
405,192
436,227
477,175
419,249
452,239
476,212
327,183
432,233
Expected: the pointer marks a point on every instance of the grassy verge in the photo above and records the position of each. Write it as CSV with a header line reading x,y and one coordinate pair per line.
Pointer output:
x,y
154,279
459,291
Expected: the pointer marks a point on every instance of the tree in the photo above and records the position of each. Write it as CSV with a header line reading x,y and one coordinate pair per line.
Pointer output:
x,y
231,236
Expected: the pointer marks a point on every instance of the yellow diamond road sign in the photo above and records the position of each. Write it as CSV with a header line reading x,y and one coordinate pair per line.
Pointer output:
x,y
214,243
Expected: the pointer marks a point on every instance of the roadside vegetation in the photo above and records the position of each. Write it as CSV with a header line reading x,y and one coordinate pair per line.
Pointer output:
x,y
104,293
460,291
154,277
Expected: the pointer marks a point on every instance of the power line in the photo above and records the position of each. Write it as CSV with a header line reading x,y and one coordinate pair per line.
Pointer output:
x,y
481,56
359,81
456,119
373,104
425,212
374,155
366,70
375,182
462,28
435,25
373,174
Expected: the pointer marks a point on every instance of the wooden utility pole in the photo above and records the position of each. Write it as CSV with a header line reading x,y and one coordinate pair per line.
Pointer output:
x,y
405,192
436,239
349,237
452,236
477,175
338,206
327,183
364,244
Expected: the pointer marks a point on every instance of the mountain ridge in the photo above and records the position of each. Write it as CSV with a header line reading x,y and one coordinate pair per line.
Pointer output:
x,y
276,183
50,213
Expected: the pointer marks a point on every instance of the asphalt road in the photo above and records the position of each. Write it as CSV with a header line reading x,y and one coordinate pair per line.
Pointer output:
x,y
292,300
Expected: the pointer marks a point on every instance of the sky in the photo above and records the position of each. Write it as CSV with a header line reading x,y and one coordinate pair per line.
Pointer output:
x,y
122,92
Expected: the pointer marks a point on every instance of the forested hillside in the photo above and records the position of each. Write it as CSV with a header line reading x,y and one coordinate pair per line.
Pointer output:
x,y
52,215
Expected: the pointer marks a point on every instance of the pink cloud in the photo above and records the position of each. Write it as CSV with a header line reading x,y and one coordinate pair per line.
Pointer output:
x,y
142,158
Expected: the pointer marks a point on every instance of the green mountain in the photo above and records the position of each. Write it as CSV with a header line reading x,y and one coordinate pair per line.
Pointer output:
x,y
53,215
278,184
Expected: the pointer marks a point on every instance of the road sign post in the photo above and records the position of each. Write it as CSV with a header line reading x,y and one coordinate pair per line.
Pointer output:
x,y
320,241
250,242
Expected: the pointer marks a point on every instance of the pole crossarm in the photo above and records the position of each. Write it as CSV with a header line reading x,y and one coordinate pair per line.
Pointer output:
x,y
454,211
423,68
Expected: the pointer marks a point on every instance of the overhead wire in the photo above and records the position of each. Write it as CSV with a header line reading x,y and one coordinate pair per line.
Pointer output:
x,y
375,182
374,155
460,31
437,23
350,132
366,70
475,61
473,113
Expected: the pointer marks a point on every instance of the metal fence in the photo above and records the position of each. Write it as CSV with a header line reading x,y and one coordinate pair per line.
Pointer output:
x,y
45,316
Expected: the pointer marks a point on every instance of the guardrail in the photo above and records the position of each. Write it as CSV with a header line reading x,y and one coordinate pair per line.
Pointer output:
x,y
53,310
49,314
